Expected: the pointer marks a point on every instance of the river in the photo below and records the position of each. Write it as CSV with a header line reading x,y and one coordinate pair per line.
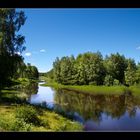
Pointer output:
x,y
95,112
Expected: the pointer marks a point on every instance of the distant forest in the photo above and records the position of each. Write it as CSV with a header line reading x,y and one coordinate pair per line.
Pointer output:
x,y
91,69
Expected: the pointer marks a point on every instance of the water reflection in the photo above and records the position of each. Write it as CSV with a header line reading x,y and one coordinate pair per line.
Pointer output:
x,y
45,97
95,112
101,112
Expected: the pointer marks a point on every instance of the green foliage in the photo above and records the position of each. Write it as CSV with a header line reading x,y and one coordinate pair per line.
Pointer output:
x,y
116,82
49,121
137,74
4,124
11,43
49,74
26,71
8,122
20,125
11,47
28,114
108,80
115,66
32,72
87,68
64,70
130,73
91,69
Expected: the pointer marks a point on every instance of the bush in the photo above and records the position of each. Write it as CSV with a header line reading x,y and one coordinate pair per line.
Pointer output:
x,y
28,114
14,125
116,82
4,125
20,125
108,80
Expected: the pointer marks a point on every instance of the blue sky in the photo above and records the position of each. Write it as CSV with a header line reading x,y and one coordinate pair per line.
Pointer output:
x,y
60,32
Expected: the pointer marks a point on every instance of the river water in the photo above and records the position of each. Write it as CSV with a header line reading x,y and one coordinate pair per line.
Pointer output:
x,y
95,112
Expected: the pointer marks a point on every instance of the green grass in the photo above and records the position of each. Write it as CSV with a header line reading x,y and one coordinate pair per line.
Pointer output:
x,y
90,89
135,89
50,121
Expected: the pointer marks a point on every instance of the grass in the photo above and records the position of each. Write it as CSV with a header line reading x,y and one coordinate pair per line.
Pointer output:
x,y
90,89
50,121
135,89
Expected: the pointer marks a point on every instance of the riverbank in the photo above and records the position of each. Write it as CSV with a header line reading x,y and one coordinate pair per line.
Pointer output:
x,y
91,89
13,101
49,121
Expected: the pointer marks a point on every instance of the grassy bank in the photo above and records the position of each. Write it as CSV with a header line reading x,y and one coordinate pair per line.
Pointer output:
x,y
49,121
135,90
89,88
14,101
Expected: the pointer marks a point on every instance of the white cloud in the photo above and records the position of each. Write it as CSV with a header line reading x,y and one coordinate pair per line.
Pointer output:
x,y
42,50
18,53
28,54
138,48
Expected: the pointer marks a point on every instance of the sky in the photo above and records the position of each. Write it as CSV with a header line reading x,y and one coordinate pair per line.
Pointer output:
x,y
51,33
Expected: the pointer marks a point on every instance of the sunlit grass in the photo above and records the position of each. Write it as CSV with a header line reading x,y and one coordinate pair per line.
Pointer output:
x,y
89,88
135,89
50,121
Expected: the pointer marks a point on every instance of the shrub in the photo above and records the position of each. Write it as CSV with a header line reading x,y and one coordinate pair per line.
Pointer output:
x,y
108,80
116,82
4,125
20,125
14,125
28,113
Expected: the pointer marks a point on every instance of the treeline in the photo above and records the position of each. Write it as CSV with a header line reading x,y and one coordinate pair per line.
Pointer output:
x,y
11,44
26,71
91,69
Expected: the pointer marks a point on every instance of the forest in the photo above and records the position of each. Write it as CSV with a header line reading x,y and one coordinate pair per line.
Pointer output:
x,y
92,69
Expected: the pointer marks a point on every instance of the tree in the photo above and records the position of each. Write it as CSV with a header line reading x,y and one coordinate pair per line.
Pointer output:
x,y
21,70
90,68
56,67
49,74
80,68
87,68
31,72
11,43
67,70
130,72
108,81
137,75
115,66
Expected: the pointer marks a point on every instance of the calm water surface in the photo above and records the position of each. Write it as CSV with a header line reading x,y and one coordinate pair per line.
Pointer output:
x,y
95,112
